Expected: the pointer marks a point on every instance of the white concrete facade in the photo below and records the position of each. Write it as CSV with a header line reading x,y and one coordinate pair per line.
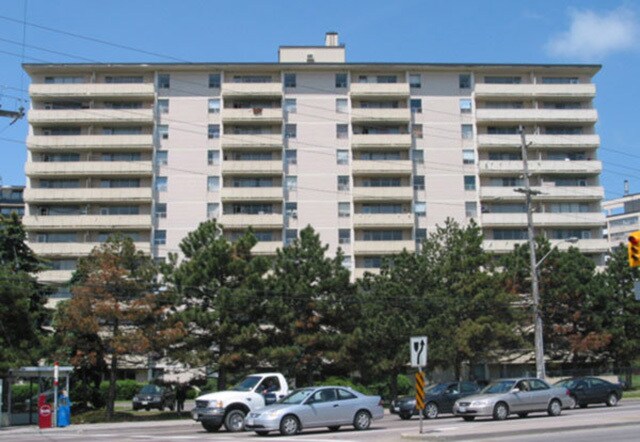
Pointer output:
x,y
623,218
373,156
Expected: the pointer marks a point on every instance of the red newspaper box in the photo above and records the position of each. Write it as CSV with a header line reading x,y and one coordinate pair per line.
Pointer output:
x,y
45,412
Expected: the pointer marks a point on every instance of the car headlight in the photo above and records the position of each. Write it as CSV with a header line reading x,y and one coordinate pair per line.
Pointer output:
x,y
136,398
216,404
273,413
479,403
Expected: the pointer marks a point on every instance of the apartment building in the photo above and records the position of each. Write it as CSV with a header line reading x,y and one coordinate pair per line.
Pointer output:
x,y
11,200
623,217
372,155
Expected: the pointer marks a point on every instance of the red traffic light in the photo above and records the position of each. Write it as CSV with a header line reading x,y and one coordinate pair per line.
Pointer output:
x,y
634,239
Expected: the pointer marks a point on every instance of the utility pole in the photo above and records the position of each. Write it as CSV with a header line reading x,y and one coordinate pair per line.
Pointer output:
x,y
535,290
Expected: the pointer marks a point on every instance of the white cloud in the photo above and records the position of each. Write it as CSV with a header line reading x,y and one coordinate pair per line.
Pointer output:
x,y
596,35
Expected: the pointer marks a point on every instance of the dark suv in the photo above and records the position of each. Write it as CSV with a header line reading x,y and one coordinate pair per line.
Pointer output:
x,y
439,398
154,396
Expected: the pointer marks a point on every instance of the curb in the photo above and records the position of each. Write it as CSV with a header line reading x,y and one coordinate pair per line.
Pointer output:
x,y
81,428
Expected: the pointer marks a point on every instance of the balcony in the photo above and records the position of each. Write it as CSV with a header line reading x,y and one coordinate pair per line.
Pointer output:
x,y
580,219
252,89
252,167
379,90
72,222
382,247
540,167
252,140
89,168
547,193
584,245
382,167
484,90
92,90
267,248
90,142
383,220
258,115
539,141
88,194
242,220
380,115
75,249
381,140
91,116
383,193
536,115
359,272
251,193
55,276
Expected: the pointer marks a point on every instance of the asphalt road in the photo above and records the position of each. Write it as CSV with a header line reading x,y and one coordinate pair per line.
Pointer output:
x,y
594,423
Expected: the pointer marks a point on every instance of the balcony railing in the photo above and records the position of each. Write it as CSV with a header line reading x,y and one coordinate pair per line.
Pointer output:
x,y
551,193
537,115
382,247
273,89
381,140
252,167
539,141
367,114
584,245
540,167
84,90
382,193
484,90
267,220
380,89
79,116
88,194
589,219
89,168
252,140
251,193
383,220
76,249
90,142
254,114
32,222
381,167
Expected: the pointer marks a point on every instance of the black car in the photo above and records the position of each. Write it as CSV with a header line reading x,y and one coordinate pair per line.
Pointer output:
x,y
439,398
589,390
154,396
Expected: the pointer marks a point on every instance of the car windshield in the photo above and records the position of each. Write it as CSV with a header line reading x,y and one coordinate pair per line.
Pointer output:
x,y
498,387
436,389
297,396
568,383
247,384
150,389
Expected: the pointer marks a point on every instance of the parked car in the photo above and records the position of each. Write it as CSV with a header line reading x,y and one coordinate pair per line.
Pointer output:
x,y
313,407
520,396
439,398
154,396
394,407
590,390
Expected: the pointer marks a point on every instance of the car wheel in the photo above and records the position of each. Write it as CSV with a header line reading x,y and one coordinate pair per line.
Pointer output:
x,y
523,415
500,411
234,421
612,400
262,433
555,408
405,416
289,425
573,402
334,428
211,428
362,420
431,411
583,405
468,418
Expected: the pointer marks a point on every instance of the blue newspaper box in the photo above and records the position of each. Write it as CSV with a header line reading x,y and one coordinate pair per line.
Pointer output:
x,y
64,411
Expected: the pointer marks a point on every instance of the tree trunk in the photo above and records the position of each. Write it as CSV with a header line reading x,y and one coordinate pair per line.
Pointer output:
x,y
393,384
222,370
111,396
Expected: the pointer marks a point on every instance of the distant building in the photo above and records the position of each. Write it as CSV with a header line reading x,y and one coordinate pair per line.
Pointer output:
x,y
11,200
623,217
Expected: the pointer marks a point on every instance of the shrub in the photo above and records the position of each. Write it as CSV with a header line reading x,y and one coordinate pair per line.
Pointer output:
x,y
125,389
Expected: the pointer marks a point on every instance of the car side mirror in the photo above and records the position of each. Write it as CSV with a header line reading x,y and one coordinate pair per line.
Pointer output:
x,y
515,390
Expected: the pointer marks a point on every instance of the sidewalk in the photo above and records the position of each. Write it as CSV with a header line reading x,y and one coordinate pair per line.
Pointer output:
x,y
79,428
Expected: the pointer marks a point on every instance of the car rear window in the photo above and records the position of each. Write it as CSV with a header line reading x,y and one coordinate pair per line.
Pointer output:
x,y
344,394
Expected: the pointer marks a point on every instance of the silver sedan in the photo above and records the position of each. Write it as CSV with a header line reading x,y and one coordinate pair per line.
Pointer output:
x,y
519,396
313,407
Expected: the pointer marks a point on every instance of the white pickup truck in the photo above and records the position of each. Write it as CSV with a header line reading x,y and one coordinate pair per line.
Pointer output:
x,y
231,406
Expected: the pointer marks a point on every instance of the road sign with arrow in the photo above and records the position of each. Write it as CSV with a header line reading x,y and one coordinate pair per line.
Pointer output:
x,y
418,351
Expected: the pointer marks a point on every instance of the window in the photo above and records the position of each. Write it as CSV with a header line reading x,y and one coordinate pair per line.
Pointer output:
x,y
163,131
213,157
416,130
570,233
120,183
469,182
291,183
416,105
159,237
290,105
214,81
347,262
382,235
505,156
386,79
290,235
64,157
464,81
291,156
118,131
372,262
344,210
342,105
213,184
119,156
382,208
502,80
163,106
342,131
418,183
344,236
343,182
213,131
380,156
510,234
468,156
59,184
341,80
467,131
63,80
289,80
342,156
161,184
465,105
415,80
471,209
421,235
57,237
502,130
213,210
420,208
561,130
162,158
123,79
417,155
164,81
161,210
290,131
560,80
291,209
381,182
214,105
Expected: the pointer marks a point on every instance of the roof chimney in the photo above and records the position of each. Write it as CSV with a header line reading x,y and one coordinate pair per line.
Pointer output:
x,y
331,39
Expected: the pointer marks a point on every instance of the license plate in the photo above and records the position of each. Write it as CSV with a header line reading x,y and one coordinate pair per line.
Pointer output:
x,y
145,402
250,421
462,409
194,415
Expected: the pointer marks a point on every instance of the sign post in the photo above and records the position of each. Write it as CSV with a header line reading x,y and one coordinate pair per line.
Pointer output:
x,y
418,346
56,376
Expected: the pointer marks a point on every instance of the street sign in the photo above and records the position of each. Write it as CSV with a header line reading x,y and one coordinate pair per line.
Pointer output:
x,y
636,290
420,390
418,346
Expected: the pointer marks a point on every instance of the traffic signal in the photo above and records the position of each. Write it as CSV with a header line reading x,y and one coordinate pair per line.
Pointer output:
x,y
633,247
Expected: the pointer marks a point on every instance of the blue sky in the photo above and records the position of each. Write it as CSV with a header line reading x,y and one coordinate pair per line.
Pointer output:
x,y
501,31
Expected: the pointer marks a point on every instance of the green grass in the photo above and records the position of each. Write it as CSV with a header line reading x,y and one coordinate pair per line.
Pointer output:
x,y
121,415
